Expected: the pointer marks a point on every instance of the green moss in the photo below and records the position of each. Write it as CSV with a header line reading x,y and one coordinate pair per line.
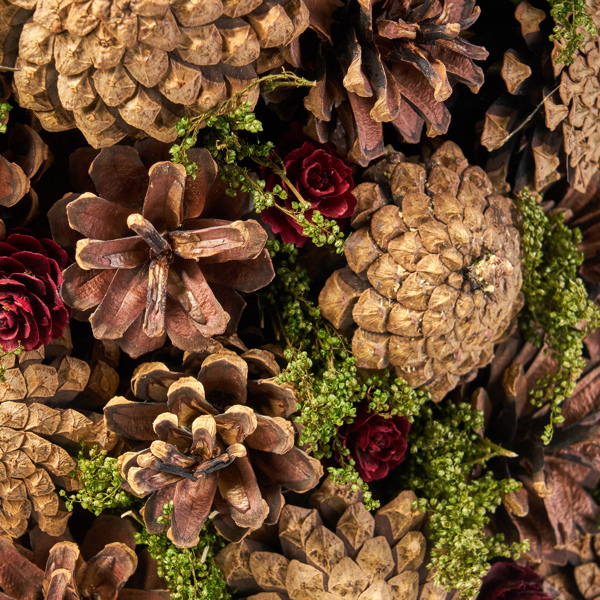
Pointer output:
x,y
5,107
569,16
557,311
444,449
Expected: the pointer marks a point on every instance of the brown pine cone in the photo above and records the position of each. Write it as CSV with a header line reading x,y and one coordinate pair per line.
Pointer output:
x,y
220,440
147,263
31,461
568,126
553,508
23,163
434,277
335,551
112,68
58,569
51,376
389,61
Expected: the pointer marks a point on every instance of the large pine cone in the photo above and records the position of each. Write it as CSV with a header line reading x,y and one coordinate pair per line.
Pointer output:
x,y
30,464
433,278
390,61
111,68
338,550
219,440
145,260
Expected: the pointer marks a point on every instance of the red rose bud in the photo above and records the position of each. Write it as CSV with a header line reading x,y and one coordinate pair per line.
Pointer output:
x,y
377,444
32,312
323,178
508,581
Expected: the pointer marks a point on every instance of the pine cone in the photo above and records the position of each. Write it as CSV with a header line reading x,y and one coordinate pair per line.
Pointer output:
x,y
337,550
433,278
25,161
112,68
30,463
58,569
580,579
147,264
389,61
51,375
553,508
219,439
569,123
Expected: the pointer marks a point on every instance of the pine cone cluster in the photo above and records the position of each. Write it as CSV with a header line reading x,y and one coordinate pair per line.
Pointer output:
x,y
220,440
145,260
32,457
113,68
390,61
433,278
337,550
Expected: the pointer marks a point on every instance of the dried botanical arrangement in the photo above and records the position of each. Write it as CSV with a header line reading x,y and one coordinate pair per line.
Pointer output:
x,y
258,344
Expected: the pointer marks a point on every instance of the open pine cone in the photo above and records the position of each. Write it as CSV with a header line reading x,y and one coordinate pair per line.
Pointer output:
x,y
216,441
113,68
31,461
390,61
553,508
336,551
147,263
70,572
433,278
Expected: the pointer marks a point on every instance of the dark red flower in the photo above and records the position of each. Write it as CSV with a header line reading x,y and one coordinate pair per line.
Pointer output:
x,y
376,444
31,309
508,581
323,178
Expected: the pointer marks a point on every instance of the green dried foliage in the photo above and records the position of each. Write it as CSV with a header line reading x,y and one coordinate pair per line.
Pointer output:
x,y
190,573
558,311
3,354
444,449
5,107
569,16
228,137
323,371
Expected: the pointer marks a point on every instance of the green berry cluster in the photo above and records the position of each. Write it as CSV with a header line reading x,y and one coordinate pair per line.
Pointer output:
x,y
5,107
100,482
225,140
323,371
191,573
557,311
444,449
569,16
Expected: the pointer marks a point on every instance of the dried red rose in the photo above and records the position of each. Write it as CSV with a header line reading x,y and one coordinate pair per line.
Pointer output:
x,y
31,310
323,178
377,444
508,581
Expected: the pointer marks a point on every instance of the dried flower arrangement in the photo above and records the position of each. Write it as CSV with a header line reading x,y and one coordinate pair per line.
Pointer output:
x,y
248,350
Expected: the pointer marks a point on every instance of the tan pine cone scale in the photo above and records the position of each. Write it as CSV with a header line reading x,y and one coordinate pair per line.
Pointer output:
x,y
30,463
113,68
337,551
434,277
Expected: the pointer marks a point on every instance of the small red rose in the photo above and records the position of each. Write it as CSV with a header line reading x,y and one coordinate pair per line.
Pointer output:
x,y
323,178
377,444
508,581
32,312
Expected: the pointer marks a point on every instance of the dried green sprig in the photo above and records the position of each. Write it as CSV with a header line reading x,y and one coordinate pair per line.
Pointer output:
x,y
3,355
323,371
225,139
569,16
190,573
444,448
558,311
5,108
